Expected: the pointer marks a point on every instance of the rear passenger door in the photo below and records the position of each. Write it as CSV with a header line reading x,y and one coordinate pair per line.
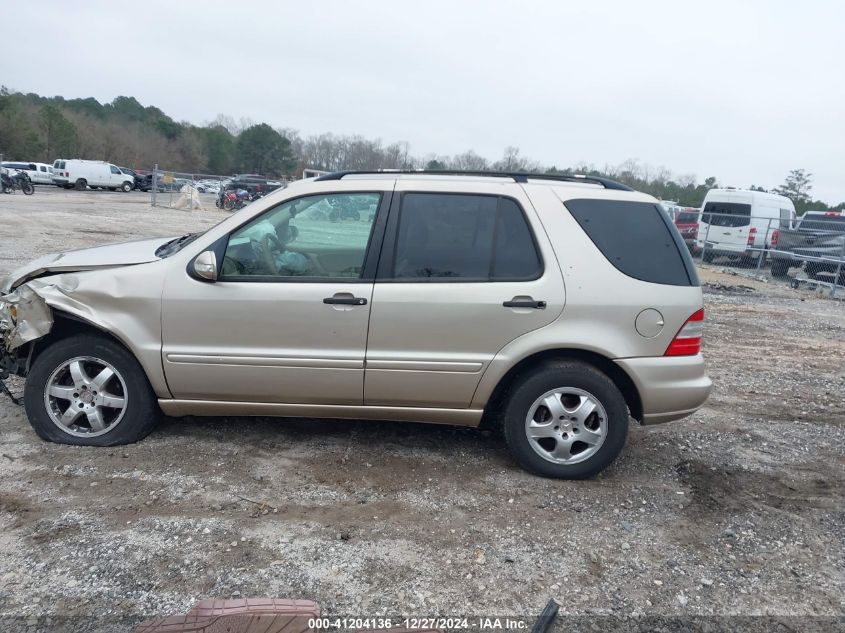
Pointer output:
x,y
460,276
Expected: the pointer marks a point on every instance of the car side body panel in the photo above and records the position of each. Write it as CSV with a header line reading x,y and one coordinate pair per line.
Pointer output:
x,y
431,341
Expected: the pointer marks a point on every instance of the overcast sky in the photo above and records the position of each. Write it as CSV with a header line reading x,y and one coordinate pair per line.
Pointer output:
x,y
744,91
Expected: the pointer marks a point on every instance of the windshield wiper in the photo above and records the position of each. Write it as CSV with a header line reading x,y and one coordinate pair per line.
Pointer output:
x,y
175,245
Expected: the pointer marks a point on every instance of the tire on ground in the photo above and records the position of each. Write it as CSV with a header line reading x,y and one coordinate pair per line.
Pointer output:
x,y
572,374
142,412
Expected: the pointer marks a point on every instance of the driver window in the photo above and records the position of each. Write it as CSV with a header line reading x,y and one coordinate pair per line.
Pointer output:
x,y
114,170
321,236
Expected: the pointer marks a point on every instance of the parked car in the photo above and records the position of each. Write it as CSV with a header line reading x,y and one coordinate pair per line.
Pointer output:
x,y
739,224
686,221
136,177
553,307
80,174
253,183
38,173
818,239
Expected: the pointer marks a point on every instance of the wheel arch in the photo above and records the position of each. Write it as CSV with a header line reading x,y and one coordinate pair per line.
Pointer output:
x,y
613,371
66,325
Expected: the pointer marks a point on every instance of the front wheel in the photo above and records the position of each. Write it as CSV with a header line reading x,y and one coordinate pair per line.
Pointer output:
x,y
27,188
90,391
566,420
126,187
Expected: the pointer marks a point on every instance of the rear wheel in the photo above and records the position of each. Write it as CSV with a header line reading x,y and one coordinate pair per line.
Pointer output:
x,y
90,391
81,184
707,256
565,420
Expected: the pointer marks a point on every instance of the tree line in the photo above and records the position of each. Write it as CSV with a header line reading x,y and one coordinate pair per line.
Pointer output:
x,y
37,128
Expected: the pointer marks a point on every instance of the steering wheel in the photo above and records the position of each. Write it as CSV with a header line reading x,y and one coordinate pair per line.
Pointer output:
x,y
268,243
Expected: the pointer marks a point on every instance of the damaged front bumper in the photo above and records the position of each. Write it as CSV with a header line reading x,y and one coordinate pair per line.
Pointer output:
x,y
24,317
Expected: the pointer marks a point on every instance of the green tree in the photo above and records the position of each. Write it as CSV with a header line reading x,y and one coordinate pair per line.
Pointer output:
x,y
59,134
797,188
262,150
220,150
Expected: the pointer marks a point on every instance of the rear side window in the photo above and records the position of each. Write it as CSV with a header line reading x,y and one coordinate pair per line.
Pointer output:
x,y
730,214
637,238
464,238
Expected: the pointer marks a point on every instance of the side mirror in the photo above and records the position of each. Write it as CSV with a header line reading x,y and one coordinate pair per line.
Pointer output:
x,y
205,266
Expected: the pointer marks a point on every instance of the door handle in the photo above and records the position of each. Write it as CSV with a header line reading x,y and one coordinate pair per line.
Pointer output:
x,y
345,301
525,303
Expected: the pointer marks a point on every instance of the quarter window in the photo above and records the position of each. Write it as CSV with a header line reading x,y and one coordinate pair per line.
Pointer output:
x,y
463,237
323,236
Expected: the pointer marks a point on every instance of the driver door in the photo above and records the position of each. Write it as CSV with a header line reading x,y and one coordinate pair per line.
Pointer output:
x,y
286,321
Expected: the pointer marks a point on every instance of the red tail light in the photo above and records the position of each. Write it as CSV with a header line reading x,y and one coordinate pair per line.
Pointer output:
x,y
752,233
775,237
687,341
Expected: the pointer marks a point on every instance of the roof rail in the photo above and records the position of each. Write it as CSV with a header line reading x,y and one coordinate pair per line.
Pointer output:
x,y
607,183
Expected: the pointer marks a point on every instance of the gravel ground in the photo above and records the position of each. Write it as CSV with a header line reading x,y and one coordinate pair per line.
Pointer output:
x,y
735,511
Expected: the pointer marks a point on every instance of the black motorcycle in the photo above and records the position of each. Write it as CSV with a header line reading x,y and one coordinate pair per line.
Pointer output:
x,y
18,180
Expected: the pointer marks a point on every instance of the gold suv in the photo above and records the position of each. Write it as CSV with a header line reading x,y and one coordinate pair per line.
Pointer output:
x,y
554,307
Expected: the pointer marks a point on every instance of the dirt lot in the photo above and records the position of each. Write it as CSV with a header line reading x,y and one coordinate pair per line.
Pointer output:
x,y
737,510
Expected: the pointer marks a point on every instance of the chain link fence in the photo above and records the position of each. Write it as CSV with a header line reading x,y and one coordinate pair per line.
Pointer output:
x,y
808,249
183,190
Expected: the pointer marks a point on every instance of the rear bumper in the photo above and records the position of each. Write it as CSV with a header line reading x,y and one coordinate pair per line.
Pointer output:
x,y
670,387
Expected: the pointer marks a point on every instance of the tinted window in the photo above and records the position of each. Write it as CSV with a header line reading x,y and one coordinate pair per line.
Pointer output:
x,y
465,237
114,170
835,223
322,236
727,214
687,217
637,238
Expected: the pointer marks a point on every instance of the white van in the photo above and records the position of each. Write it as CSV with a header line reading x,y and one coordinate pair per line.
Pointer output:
x,y
39,173
740,223
80,174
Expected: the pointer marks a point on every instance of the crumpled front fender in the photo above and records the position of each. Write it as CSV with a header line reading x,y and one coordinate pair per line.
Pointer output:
x,y
124,302
24,317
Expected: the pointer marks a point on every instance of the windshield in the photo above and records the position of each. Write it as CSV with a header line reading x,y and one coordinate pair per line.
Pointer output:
x,y
687,217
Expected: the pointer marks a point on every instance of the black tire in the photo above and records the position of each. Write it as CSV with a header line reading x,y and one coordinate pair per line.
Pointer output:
x,y
81,184
27,188
707,256
127,187
141,413
564,374
780,267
